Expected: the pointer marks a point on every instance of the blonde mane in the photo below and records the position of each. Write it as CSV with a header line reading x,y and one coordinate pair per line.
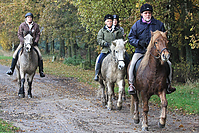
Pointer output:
x,y
154,36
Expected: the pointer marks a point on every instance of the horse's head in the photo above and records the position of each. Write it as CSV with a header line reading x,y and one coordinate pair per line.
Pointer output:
x,y
28,43
118,52
159,42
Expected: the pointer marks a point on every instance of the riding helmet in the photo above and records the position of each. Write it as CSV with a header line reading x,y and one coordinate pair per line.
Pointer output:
x,y
29,14
116,17
146,7
108,16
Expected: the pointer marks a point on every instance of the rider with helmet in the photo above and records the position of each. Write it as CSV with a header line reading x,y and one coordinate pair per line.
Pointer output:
x,y
27,27
105,36
139,37
116,22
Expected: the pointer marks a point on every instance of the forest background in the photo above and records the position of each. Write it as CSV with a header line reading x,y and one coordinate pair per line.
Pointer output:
x,y
69,28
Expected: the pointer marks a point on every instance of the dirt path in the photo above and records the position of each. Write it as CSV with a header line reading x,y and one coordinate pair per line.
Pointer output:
x,y
65,105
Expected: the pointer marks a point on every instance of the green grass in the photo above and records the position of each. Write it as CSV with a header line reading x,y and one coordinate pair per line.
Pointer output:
x,y
185,100
5,57
8,128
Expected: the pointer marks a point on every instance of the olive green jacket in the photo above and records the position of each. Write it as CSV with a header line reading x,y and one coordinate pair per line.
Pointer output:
x,y
105,36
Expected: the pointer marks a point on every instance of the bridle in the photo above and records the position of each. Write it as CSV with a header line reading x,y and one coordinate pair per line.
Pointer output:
x,y
116,60
159,52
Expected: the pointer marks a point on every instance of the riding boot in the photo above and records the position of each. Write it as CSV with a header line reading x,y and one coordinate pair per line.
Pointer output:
x,y
13,64
41,68
131,89
96,78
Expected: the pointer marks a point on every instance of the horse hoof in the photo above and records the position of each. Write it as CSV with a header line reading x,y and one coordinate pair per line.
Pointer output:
x,y
109,109
119,108
21,95
145,129
29,96
104,104
124,98
136,121
161,125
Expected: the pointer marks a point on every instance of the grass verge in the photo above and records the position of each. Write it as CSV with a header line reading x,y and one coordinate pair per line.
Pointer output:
x,y
8,128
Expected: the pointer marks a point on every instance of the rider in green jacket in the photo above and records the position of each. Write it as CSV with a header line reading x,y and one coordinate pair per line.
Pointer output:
x,y
105,36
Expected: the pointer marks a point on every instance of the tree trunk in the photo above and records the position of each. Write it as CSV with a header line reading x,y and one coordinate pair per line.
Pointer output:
x,y
62,49
52,47
89,56
46,46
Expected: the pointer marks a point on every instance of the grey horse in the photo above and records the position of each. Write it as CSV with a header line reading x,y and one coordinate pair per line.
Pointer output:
x,y
27,64
113,71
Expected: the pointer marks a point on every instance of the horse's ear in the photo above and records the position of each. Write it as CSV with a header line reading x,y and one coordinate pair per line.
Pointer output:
x,y
114,43
166,32
152,33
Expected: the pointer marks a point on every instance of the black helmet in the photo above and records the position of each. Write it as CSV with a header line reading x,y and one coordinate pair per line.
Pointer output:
x,y
116,17
146,7
108,16
29,14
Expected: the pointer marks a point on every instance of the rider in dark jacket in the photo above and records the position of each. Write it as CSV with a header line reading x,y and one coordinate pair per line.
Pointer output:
x,y
139,37
141,31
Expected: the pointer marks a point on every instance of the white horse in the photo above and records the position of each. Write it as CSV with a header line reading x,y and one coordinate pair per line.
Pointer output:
x,y
27,64
113,71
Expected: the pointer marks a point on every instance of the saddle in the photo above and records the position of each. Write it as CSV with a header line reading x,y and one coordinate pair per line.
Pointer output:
x,y
21,51
166,65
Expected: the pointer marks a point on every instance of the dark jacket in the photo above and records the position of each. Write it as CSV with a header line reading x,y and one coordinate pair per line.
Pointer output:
x,y
142,31
105,36
24,28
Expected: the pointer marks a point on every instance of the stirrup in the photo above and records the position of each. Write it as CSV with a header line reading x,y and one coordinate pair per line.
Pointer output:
x,y
131,90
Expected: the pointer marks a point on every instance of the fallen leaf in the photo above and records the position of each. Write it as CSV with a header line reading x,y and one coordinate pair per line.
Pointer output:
x,y
181,125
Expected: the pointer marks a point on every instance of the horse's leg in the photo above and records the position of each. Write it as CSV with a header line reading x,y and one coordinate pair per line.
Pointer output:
x,y
29,80
164,109
18,77
110,93
134,108
21,90
124,95
145,112
103,96
114,97
121,85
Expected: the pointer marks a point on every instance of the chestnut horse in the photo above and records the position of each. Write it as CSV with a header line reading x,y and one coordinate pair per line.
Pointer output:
x,y
151,78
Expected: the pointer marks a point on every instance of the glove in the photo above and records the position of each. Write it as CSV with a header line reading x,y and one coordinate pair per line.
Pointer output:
x,y
35,44
106,44
142,43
